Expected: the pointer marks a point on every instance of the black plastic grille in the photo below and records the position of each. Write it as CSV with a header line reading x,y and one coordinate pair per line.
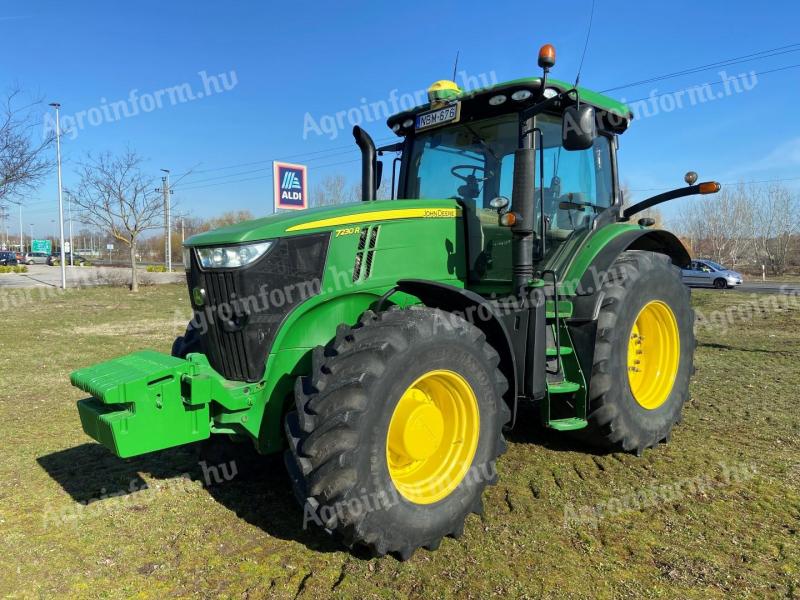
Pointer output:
x,y
362,268
243,309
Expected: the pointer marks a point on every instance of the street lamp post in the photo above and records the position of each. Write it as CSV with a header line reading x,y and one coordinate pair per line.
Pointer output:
x,y
57,106
166,190
21,232
71,247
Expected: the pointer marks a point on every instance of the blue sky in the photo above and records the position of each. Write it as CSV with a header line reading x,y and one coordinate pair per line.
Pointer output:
x,y
284,61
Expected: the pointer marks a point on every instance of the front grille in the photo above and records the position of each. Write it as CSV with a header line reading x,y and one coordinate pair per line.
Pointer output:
x,y
243,309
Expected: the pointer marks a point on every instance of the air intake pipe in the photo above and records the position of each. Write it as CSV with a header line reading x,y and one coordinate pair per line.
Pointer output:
x,y
368,163
522,200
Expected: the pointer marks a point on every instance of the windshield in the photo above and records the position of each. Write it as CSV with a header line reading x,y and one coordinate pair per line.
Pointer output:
x,y
473,162
464,161
714,265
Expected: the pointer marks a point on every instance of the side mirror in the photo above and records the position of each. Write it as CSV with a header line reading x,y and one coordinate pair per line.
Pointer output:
x,y
579,128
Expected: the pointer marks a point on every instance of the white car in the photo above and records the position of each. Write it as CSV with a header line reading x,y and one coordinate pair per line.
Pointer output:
x,y
707,273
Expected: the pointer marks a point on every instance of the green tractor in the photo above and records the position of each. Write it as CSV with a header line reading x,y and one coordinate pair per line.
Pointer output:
x,y
385,346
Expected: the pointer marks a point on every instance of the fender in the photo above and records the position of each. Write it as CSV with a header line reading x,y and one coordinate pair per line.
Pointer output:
x,y
588,295
453,299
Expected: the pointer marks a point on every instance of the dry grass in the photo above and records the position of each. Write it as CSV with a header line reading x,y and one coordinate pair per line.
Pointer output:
x,y
244,538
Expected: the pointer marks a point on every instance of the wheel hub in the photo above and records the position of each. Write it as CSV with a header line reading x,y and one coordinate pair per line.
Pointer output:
x,y
433,436
653,354
419,426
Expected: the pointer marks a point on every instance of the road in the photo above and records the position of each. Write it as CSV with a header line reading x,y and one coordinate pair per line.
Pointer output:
x,y
46,276
769,287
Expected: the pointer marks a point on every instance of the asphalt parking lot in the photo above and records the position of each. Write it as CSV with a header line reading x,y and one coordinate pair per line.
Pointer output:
x,y
47,276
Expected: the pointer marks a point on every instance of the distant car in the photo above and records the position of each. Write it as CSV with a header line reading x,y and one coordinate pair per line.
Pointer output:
x,y
8,259
76,259
36,258
707,273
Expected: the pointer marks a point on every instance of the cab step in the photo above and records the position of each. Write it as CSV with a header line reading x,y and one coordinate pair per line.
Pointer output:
x,y
570,424
562,351
563,387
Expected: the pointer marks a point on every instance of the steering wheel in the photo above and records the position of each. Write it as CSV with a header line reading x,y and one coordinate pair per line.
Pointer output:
x,y
471,177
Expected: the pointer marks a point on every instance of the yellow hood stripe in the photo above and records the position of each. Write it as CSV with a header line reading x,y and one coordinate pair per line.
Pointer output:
x,y
380,215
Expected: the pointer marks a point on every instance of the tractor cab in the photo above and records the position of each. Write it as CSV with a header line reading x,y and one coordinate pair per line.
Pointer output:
x,y
464,146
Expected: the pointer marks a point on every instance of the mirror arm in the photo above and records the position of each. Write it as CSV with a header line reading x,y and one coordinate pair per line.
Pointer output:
x,y
709,187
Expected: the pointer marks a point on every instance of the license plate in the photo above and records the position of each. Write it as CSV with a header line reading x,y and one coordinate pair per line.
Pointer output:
x,y
440,116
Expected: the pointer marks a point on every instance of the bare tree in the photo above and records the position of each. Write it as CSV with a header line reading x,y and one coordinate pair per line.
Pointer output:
x,y
114,195
331,190
721,226
776,225
383,192
650,213
23,160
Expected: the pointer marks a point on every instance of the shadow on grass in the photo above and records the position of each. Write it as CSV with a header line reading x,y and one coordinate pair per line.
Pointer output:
x,y
254,487
717,346
529,430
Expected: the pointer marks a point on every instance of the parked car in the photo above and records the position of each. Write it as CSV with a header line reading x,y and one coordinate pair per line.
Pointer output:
x,y
8,259
36,258
707,273
77,260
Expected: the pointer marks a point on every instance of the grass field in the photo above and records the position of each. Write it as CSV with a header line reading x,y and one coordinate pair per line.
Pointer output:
x,y
714,513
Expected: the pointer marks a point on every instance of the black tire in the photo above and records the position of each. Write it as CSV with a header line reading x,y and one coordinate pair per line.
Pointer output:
x,y
720,283
616,420
337,456
187,343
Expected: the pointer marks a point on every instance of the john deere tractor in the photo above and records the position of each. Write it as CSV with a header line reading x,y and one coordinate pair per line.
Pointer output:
x,y
385,346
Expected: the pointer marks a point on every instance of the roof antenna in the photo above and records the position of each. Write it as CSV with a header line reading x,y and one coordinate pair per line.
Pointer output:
x,y
585,45
455,65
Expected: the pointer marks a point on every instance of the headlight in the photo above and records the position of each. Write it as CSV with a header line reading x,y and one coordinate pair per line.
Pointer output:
x,y
230,257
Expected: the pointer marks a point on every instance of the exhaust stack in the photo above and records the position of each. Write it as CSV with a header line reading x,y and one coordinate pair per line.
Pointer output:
x,y
368,163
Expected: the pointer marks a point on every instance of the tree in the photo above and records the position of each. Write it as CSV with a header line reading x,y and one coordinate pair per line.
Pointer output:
x,y
193,225
114,195
776,225
650,213
331,190
23,161
721,226
383,192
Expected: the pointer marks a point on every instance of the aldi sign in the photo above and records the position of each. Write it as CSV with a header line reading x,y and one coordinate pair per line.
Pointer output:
x,y
291,186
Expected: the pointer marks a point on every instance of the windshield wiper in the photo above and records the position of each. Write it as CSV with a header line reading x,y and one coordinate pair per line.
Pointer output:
x,y
482,141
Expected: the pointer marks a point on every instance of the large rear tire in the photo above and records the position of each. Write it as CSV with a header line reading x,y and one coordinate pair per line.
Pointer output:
x,y
396,430
643,355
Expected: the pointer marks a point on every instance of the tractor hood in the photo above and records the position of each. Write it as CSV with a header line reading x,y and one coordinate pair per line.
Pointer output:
x,y
324,219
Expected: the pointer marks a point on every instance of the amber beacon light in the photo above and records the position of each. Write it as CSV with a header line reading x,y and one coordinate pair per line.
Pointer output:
x,y
547,56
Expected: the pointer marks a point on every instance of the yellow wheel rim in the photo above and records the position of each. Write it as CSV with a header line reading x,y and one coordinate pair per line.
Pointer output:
x,y
433,436
654,350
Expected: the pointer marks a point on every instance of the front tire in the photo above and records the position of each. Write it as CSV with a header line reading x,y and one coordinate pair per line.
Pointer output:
x,y
643,354
397,429
720,284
